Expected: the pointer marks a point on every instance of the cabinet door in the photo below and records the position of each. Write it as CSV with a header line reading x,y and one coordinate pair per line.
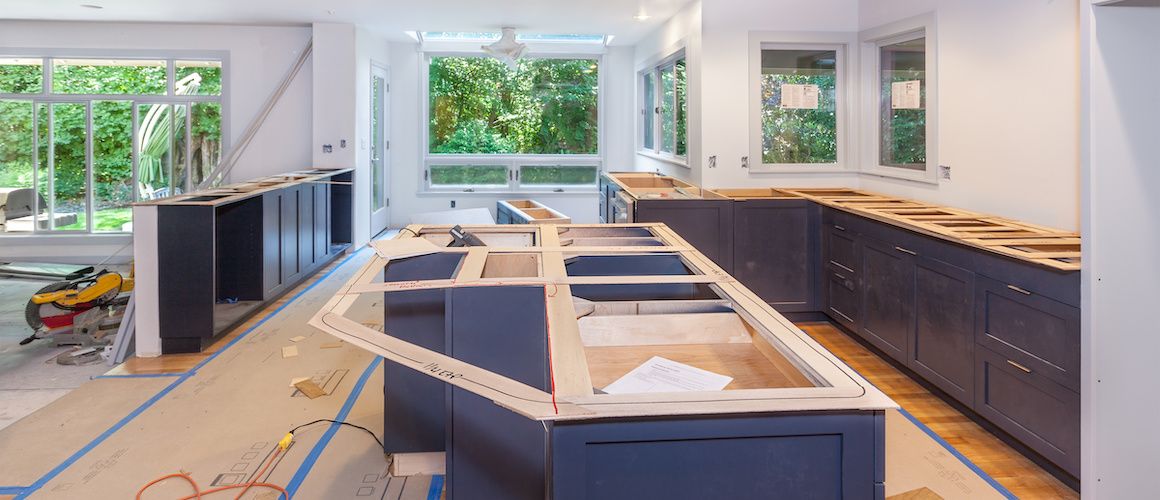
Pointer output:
x,y
705,224
943,347
306,257
1039,412
289,234
774,252
272,277
887,297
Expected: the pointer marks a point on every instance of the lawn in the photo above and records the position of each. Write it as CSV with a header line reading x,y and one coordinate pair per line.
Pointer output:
x,y
109,219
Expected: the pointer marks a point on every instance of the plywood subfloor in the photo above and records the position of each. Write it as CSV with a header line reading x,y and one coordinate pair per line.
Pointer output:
x,y
1015,472
749,368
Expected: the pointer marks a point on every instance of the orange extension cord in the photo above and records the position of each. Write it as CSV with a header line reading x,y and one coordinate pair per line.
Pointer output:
x,y
198,493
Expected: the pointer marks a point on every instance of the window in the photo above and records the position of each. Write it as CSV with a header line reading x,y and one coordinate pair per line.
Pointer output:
x,y
902,104
899,99
799,111
83,140
494,128
664,110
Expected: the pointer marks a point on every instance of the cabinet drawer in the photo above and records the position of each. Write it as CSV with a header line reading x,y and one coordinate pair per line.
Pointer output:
x,y
1034,331
841,248
842,298
1039,412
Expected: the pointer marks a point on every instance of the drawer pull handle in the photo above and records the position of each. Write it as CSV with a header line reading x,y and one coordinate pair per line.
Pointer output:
x,y
903,250
1020,290
1019,366
840,228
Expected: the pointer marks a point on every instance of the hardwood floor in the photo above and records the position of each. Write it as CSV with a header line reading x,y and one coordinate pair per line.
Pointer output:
x,y
1017,473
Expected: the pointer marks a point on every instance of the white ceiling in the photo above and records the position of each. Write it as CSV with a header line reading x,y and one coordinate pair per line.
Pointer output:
x,y
389,18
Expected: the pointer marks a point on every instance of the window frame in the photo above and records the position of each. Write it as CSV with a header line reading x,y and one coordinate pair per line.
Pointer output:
x,y
47,96
871,43
655,69
514,161
846,68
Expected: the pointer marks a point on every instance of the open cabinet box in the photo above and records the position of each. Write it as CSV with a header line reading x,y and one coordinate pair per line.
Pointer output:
x,y
512,348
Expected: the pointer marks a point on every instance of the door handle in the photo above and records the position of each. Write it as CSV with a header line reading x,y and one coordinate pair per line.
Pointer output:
x,y
903,250
1020,290
840,228
1019,366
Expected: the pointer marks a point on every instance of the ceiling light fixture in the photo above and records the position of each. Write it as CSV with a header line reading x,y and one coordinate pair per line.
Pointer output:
x,y
91,6
641,15
507,49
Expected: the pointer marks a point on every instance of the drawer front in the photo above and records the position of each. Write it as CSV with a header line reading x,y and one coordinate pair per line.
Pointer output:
x,y
1035,331
842,298
1039,412
841,248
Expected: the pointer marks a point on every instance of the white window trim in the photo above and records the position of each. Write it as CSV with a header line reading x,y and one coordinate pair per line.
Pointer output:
x,y
847,69
871,41
655,67
513,162
171,57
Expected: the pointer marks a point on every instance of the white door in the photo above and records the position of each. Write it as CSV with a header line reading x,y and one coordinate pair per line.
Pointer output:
x,y
380,148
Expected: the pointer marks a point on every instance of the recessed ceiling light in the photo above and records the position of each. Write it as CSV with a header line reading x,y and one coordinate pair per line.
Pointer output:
x,y
91,6
641,16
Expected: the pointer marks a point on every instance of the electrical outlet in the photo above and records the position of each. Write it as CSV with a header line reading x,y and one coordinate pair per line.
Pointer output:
x,y
744,162
327,148
342,143
713,161
944,172
452,203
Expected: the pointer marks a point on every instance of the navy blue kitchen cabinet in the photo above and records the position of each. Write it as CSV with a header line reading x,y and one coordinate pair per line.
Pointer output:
x,y
888,297
775,251
943,346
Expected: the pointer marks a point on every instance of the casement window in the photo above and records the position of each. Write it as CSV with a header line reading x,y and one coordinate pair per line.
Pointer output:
x,y
664,110
900,100
81,138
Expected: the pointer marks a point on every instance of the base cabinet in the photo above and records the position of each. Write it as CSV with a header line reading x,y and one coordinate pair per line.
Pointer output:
x,y
775,252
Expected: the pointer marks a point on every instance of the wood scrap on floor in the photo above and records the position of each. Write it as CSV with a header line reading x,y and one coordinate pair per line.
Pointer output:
x,y
309,388
289,351
414,464
299,338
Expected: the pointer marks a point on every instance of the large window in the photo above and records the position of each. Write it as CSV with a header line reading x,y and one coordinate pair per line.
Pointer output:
x,y
492,127
83,138
664,110
799,111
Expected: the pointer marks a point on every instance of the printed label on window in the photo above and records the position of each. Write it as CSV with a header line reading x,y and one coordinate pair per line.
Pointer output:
x,y
799,96
906,95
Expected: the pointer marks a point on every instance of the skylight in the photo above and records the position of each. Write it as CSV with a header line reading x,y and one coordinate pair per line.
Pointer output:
x,y
474,36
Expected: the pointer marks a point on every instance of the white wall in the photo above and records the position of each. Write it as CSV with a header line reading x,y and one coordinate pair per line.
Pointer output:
x,y
1121,234
681,30
1008,106
259,57
725,98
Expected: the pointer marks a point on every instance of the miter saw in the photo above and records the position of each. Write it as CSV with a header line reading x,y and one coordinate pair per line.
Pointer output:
x,y
84,310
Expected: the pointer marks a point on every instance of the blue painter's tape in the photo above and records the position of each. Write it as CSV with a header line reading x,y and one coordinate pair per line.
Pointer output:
x,y
436,489
966,461
316,451
143,375
11,490
181,378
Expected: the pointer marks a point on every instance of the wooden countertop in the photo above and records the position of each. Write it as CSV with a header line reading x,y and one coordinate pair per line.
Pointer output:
x,y
231,193
1043,246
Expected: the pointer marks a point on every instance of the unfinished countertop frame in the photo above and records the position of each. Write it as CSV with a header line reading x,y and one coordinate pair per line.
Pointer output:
x,y
231,193
1044,246
837,387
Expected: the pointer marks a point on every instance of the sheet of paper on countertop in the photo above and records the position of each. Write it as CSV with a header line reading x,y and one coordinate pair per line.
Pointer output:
x,y
799,96
665,375
906,95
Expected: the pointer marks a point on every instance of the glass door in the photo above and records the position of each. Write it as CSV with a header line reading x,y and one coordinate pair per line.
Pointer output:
x,y
379,150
